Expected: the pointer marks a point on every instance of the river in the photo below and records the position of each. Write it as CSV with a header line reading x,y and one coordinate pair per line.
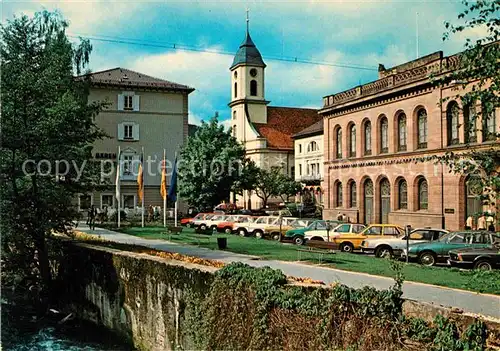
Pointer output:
x,y
21,331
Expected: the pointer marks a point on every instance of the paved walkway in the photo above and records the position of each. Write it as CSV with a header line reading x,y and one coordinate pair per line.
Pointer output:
x,y
484,304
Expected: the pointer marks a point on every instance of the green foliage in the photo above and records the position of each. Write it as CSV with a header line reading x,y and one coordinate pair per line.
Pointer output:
x,y
254,309
211,163
45,116
274,182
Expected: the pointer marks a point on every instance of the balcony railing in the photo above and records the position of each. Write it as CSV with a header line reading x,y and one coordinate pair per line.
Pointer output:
x,y
316,176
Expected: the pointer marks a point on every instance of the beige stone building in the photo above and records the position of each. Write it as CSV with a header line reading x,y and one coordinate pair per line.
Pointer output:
x,y
143,112
308,147
375,134
265,131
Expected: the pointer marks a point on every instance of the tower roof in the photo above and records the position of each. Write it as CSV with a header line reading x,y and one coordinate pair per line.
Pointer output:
x,y
248,54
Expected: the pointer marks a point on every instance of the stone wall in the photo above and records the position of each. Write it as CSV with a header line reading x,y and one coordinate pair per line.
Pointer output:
x,y
145,299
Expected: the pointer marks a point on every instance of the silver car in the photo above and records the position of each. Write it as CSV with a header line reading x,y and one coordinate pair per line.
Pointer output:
x,y
388,247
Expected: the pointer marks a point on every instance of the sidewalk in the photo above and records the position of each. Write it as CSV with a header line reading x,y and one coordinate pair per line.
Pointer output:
x,y
484,304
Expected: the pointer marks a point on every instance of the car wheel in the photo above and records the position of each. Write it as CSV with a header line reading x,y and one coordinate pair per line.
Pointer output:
x,y
298,240
346,247
383,252
242,232
203,227
214,228
276,236
483,265
188,225
228,230
259,234
427,258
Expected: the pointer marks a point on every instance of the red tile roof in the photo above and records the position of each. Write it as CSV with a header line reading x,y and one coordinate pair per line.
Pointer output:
x,y
283,122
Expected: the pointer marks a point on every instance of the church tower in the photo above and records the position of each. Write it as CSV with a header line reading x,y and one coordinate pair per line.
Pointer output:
x,y
248,104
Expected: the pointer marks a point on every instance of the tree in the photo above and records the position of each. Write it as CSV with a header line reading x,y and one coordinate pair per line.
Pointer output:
x,y
211,164
247,179
288,187
46,119
478,69
268,184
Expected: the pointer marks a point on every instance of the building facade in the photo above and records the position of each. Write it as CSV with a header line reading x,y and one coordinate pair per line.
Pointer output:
x,y
376,135
308,147
265,131
143,113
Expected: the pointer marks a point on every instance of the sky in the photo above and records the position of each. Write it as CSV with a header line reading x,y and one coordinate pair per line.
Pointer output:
x,y
361,33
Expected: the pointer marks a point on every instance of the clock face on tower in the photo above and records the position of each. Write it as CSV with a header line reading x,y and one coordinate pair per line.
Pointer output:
x,y
253,72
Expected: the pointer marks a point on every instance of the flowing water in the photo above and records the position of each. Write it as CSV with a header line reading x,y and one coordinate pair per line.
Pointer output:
x,y
21,331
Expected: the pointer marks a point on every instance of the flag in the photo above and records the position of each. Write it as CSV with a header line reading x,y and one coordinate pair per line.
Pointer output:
x,y
140,181
117,181
163,189
172,190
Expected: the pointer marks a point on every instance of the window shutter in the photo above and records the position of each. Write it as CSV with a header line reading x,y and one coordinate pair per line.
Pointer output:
x,y
135,131
121,130
136,163
135,102
121,102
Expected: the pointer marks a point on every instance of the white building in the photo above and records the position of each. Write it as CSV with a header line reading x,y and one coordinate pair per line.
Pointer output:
x,y
265,131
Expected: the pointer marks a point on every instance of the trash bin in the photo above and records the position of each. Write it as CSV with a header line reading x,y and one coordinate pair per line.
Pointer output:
x,y
222,243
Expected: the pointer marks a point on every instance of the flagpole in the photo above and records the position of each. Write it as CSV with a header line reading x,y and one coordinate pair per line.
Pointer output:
x,y
175,206
165,197
118,195
142,175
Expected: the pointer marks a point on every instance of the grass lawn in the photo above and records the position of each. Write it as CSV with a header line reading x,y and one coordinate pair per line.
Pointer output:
x,y
479,281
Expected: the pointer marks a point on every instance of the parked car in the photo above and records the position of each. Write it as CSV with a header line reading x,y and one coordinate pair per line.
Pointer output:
x,y
483,258
438,251
200,218
339,229
188,222
255,227
276,231
390,246
352,241
297,234
227,226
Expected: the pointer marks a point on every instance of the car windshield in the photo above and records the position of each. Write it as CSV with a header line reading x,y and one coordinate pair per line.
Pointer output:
x,y
446,237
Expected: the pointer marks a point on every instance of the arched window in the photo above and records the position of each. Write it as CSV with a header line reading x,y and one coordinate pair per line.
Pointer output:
x,y
235,89
253,87
234,131
339,143
452,123
473,191
470,123
422,194
422,129
368,138
352,141
234,114
489,132
352,194
384,135
312,146
339,194
402,132
402,195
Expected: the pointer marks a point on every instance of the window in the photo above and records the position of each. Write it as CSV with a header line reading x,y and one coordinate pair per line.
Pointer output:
x,y
339,194
128,103
127,131
368,138
300,148
292,172
470,123
452,123
357,228
374,231
458,238
352,193
235,89
402,132
312,146
422,194
300,169
234,131
489,132
352,139
384,137
253,87
390,231
234,114
107,200
85,202
343,228
419,235
422,129
402,195
339,143
128,201
127,165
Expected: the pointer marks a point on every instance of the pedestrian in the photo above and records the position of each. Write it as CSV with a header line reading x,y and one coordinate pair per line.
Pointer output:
x,y
339,217
468,223
93,214
89,214
344,218
481,223
490,222
150,213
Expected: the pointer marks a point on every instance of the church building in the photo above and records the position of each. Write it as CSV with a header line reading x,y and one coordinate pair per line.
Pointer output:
x,y
265,131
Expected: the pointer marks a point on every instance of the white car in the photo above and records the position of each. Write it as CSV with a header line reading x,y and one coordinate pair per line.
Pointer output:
x,y
256,227
343,228
200,219
212,221
388,247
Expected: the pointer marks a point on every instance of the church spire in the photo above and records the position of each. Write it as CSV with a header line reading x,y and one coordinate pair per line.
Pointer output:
x,y
248,21
248,52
